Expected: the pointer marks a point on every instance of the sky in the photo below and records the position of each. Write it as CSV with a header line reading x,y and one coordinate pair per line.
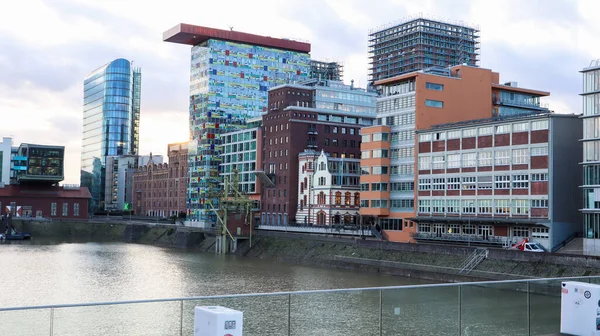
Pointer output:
x,y
48,47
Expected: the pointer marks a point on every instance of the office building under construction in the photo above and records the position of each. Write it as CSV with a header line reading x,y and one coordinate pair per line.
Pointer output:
x,y
324,70
420,43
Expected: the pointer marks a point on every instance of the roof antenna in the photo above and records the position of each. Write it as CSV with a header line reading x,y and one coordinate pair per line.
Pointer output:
x,y
230,28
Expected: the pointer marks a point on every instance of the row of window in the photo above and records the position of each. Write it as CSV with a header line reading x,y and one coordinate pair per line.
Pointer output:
x,y
383,186
516,181
395,104
486,130
468,229
501,157
397,120
518,207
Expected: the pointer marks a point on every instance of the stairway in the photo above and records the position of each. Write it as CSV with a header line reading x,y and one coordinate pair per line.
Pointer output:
x,y
473,260
376,233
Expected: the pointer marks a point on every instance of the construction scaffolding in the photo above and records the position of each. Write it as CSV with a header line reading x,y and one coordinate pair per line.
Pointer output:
x,y
234,214
326,70
421,43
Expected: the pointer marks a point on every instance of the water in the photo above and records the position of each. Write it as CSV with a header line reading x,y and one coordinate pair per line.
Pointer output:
x,y
93,272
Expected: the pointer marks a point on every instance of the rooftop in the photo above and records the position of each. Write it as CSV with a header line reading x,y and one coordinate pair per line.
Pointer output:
x,y
192,35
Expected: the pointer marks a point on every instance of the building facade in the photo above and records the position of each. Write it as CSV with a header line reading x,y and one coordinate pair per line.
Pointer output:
x,y
45,201
591,158
417,101
118,192
239,154
39,164
231,73
315,115
328,191
5,160
111,117
499,181
160,189
420,43
326,70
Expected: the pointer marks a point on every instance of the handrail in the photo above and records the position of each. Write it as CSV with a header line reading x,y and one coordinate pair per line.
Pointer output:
x,y
318,291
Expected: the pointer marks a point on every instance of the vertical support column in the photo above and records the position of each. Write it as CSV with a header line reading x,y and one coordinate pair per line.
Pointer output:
x,y
289,314
459,310
380,312
528,309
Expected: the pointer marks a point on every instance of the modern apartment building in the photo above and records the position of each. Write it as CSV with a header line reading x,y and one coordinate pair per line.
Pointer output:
x,y
420,43
231,73
119,181
328,190
5,160
160,188
418,101
500,180
591,158
111,117
326,70
315,115
239,154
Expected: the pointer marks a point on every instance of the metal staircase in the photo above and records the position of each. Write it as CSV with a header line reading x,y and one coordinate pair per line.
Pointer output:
x,y
473,260
376,233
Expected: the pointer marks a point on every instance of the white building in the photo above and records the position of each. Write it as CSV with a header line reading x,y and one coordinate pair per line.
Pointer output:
x,y
329,189
119,180
5,158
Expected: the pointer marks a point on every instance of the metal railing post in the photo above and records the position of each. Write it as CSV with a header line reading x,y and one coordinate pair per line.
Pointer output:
x,y
181,319
460,310
528,309
51,321
289,314
380,312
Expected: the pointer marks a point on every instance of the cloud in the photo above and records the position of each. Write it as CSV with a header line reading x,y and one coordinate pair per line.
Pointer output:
x,y
540,44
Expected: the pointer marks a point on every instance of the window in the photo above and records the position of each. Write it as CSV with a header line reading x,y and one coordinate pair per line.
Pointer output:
x,y
489,130
335,130
380,137
520,231
539,125
539,151
485,159
53,208
439,136
379,186
468,206
484,206
364,187
338,198
434,103
65,209
521,127
439,162
438,184
424,184
539,203
364,203
520,181
485,182
425,206
502,157
352,131
453,135
402,203
502,129
537,177
521,207
502,207
453,161
469,133
379,203
437,206
378,170
469,160
403,186
380,153
453,206
343,130
366,138
424,137
365,154
75,209
469,183
502,182
434,86
453,183
425,163
520,156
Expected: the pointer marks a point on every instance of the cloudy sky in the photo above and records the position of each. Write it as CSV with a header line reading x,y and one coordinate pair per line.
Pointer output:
x,y
48,47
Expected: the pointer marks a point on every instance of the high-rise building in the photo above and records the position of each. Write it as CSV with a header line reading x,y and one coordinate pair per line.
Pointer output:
x,y
231,73
591,157
418,44
315,115
324,70
417,101
111,119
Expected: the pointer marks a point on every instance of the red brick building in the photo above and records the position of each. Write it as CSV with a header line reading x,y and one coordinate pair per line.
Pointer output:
x,y
160,189
43,201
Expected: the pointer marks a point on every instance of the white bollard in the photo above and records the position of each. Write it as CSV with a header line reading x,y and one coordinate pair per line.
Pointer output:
x,y
218,321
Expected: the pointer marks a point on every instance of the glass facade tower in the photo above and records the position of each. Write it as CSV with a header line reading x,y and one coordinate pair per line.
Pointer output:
x,y
591,150
111,117
228,85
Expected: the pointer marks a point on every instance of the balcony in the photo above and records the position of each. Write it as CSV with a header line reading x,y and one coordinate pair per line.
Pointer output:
x,y
522,103
312,131
312,144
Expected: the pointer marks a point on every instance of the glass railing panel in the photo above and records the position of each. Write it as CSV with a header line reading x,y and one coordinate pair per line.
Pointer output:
x,y
544,307
494,309
421,311
263,315
353,313
25,322
156,318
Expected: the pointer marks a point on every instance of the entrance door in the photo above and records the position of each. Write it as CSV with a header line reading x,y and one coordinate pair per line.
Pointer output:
x,y
439,229
485,231
321,218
